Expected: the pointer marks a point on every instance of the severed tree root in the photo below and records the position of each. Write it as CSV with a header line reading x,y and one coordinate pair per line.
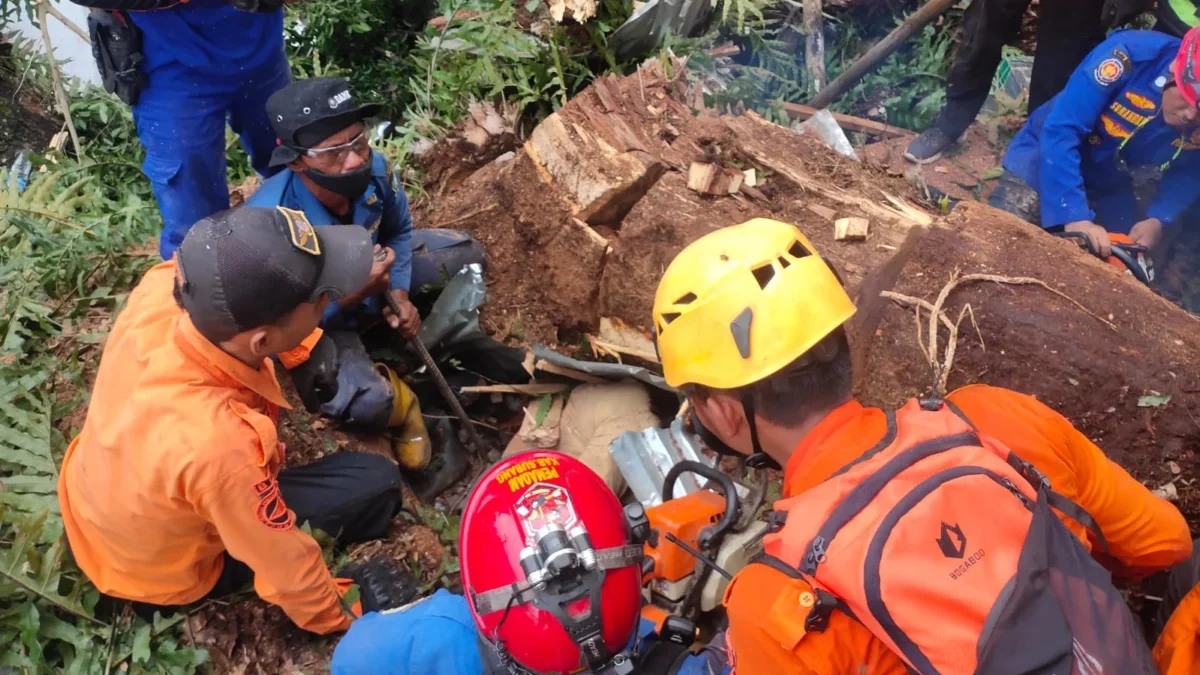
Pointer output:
x,y
936,315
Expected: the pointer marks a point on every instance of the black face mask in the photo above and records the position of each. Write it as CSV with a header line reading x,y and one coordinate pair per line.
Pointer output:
x,y
349,185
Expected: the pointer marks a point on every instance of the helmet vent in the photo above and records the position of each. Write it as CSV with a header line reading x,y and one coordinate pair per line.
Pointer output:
x,y
764,274
784,263
687,299
668,317
797,250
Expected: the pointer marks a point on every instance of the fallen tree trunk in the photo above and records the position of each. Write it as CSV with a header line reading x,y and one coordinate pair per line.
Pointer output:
x,y
1092,361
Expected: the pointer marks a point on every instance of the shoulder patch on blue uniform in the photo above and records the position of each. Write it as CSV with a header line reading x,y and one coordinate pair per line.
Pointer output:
x,y
1110,70
301,231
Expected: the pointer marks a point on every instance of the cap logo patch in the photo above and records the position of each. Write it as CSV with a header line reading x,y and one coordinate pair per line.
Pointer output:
x,y
339,98
1110,70
301,231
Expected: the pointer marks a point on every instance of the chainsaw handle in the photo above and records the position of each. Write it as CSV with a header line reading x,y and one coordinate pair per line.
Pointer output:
x,y
1081,239
1127,254
715,475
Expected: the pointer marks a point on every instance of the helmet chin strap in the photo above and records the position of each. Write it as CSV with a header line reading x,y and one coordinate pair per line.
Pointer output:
x,y
757,459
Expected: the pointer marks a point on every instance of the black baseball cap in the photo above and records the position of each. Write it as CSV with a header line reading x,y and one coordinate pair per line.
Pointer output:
x,y
248,267
306,112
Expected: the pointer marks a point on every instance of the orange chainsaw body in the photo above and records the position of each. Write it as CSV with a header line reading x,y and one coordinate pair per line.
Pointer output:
x,y
1117,238
684,518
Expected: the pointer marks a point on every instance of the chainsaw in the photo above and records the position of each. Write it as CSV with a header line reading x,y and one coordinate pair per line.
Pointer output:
x,y
1130,258
697,542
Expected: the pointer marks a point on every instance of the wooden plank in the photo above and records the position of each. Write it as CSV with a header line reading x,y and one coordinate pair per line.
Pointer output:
x,y
572,373
799,111
528,389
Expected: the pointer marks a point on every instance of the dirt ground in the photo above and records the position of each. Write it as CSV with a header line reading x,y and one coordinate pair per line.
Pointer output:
x,y
24,125
969,171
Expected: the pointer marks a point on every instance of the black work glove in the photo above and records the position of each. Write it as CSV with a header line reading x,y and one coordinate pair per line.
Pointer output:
x,y
381,584
1117,13
316,379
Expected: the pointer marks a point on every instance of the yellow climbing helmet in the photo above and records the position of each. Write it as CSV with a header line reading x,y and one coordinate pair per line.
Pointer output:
x,y
741,303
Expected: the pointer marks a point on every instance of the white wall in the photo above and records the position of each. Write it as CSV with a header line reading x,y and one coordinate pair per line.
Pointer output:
x,y
74,55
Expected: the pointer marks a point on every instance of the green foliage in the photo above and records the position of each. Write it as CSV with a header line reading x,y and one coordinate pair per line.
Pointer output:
x,y
368,41
910,85
66,242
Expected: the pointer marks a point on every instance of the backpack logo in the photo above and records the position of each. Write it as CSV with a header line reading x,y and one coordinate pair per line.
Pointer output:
x,y
952,542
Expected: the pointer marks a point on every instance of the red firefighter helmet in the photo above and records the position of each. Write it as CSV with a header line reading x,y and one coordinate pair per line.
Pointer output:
x,y
548,566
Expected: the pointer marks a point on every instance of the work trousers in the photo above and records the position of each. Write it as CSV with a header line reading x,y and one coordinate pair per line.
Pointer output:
x,y
1067,31
181,120
365,397
351,496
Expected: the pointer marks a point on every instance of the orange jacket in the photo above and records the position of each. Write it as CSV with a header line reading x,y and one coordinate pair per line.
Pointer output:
x,y
1144,533
177,463
1177,651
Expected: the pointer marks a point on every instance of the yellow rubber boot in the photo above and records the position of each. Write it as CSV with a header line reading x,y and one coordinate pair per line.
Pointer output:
x,y
410,440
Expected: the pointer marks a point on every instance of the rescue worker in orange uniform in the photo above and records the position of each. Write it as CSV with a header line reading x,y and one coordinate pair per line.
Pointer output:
x,y
752,333
1177,650
172,491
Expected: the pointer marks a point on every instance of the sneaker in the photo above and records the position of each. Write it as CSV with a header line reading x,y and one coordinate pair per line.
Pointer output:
x,y
929,146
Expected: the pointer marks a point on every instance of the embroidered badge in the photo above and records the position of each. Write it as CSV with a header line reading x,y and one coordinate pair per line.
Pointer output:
x,y
1109,71
271,510
1139,101
301,231
1112,128
1128,115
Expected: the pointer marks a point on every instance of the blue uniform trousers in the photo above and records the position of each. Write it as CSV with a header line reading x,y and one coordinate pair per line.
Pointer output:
x,y
181,121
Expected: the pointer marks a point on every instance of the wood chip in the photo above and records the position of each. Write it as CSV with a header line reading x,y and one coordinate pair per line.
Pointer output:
x,y
851,229
1168,492
750,178
713,180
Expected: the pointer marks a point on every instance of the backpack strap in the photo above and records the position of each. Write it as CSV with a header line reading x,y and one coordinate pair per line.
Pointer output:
x,y
961,415
824,602
888,437
1076,513
1055,499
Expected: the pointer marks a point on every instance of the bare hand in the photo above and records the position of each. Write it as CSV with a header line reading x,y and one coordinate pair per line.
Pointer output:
x,y
1147,232
378,281
408,321
1097,236
381,272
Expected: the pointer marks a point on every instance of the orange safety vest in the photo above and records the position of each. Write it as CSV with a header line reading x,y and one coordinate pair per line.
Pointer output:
x,y
942,543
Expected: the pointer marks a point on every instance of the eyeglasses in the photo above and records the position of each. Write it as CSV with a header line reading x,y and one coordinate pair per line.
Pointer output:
x,y
338,153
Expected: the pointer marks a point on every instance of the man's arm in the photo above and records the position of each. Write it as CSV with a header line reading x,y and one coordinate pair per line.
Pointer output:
x,y
395,231
1176,191
1077,111
1144,533
258,529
